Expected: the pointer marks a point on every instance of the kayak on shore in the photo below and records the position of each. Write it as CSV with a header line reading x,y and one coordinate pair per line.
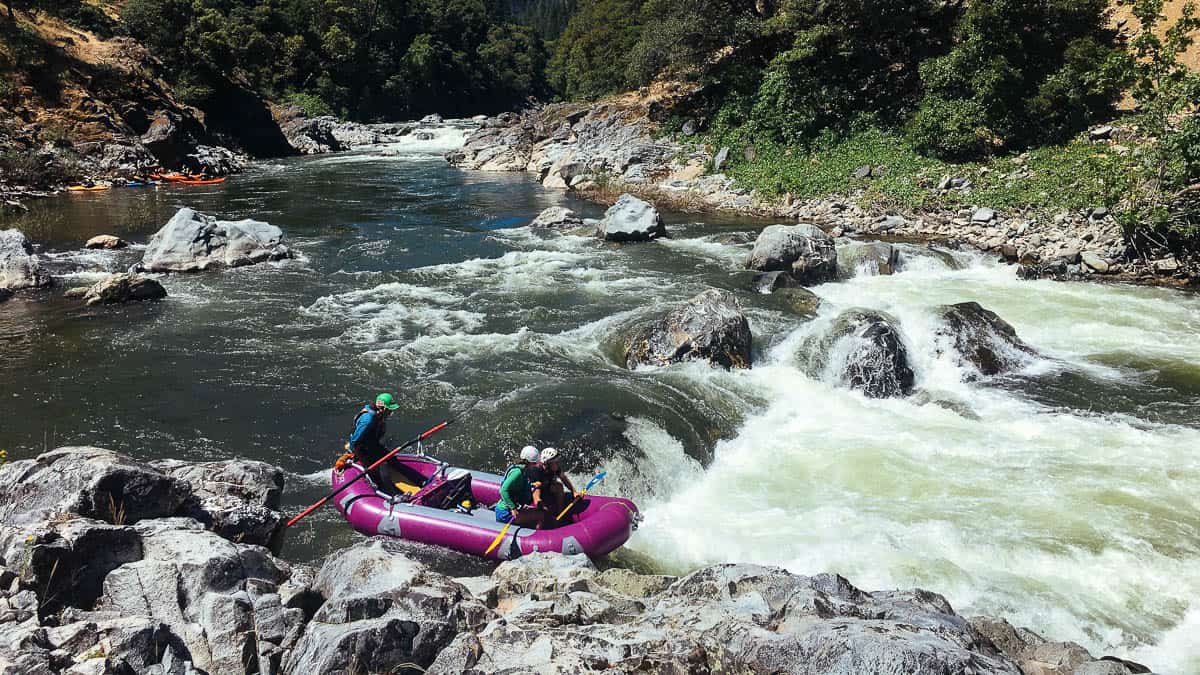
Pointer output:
x,y
87,188
430,509
202,181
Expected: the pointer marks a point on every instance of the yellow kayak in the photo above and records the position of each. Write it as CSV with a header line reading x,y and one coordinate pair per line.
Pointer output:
x,y
84,188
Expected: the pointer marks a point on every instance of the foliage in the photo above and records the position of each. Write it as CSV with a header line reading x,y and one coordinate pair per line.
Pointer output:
x,y
591,56
688,35
1022,73
29,168
311,104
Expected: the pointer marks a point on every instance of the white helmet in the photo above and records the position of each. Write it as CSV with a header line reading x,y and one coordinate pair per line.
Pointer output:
x,y
549,454
530,454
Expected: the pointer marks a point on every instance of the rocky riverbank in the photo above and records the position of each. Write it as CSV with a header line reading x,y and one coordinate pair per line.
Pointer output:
x,y
600,151
110,565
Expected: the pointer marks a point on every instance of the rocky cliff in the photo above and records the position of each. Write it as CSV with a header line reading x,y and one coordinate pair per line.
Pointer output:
x,y
109,565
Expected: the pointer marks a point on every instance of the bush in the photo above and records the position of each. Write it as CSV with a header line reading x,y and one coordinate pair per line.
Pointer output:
x,y
311,104
951,130
592,56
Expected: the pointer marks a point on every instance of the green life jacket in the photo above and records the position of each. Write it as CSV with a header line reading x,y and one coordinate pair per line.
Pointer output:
x,y
522,492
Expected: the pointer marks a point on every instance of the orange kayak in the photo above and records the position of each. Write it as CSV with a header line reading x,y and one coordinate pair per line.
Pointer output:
x,y
173,177
85,188
203,181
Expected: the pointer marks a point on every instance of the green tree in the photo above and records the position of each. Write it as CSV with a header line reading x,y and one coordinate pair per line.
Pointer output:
x,y
591,57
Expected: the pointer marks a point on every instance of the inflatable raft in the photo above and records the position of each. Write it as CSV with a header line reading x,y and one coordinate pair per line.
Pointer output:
x,y
430,509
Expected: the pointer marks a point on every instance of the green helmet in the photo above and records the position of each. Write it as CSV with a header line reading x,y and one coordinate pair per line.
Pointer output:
x,y
387,401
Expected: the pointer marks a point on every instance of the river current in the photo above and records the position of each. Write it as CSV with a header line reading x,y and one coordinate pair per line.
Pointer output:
x,y
1065,497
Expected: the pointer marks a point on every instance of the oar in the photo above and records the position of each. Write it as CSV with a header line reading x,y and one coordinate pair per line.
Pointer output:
x,y
385,458
582,493
500,536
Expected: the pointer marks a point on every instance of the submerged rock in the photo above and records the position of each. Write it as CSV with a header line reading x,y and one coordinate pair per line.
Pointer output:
x,y
193,241
982,339
121,288
871,258
5,294
863,350
799,301
803,251
631,219
106,241
710,326
19,268
557,217
769,282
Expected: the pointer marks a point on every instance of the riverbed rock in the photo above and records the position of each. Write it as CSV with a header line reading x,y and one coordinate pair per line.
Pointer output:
x,y
19,268
710,327
1036,654
106,241
869,258
1095,262
631,219
382,609
5,294
237,499
556,218
982,339
864,350
769,282
122,288
193,241
804,251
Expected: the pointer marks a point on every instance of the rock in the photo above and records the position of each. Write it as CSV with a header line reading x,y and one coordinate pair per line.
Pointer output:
x,y
804,251
983,215
1101,668
1165,266
237,499
710,327
892,222
106,241
982,339
863,172
213,161
18,266
689,128
944,183
1101,133
218,597
868,259
424,136
122,288
5,294
769,282
631,219
79,292
119,644
1094,262
1099,213
720,159
167,139
432,118
799,301
382,609
307,135
193,241
863,350
557,217
89,482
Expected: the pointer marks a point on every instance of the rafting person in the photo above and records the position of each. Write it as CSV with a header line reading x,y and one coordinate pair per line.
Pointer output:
x,y
551,487
366,442
516,493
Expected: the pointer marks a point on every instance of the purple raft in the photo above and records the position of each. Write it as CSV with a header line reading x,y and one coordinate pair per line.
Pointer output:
x,y
595,527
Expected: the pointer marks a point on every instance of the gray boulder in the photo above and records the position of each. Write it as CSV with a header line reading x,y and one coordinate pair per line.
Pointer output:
x,y
193,241
631,219
982,339
798,301
769,282
117,644
122,288
382,609
557,217
710,326
106,241
868,258
1035,654
803,251
237,499
19,268
863,350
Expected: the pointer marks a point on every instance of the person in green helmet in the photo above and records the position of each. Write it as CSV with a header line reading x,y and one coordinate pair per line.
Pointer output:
x,y
370,425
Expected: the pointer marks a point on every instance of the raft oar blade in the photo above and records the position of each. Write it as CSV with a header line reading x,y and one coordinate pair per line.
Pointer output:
x,y
582,493
500,536
383,459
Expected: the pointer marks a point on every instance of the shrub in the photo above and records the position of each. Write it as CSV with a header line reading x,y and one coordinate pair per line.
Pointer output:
x,y
311,104
952,130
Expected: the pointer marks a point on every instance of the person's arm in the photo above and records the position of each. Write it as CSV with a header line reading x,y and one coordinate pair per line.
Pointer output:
x,y
567,481
360,429
511,480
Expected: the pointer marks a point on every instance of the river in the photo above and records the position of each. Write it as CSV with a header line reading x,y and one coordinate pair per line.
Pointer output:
x,y
1065,497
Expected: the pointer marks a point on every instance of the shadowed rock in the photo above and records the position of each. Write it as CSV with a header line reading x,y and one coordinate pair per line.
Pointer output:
x,y
193,241
803,251
710,326
863,350
122,288
983,339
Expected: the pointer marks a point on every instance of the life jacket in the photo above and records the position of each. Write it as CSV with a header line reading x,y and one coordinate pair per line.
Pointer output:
x,y
378,426
525,496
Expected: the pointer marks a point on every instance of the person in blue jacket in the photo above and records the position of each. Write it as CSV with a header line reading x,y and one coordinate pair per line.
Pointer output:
x,y
366,442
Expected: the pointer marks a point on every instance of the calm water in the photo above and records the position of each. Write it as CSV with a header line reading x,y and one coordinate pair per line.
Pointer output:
x,y
1066,497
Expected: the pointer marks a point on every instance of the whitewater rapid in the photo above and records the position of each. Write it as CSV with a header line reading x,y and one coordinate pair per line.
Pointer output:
x,y
1073,512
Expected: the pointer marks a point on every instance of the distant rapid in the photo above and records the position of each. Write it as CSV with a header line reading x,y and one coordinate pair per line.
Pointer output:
x,y
1064,496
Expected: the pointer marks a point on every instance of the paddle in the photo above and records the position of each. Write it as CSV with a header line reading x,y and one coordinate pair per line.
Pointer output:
x,y
500,536
385,458
599,477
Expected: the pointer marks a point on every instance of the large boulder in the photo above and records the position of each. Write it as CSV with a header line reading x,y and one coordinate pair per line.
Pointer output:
x,y
556,218
564,617
864,350
803,251
1035,654
631,219
193,241
710,327
382,609
122,288
868,259
19,268
237,499
106,241
982,339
